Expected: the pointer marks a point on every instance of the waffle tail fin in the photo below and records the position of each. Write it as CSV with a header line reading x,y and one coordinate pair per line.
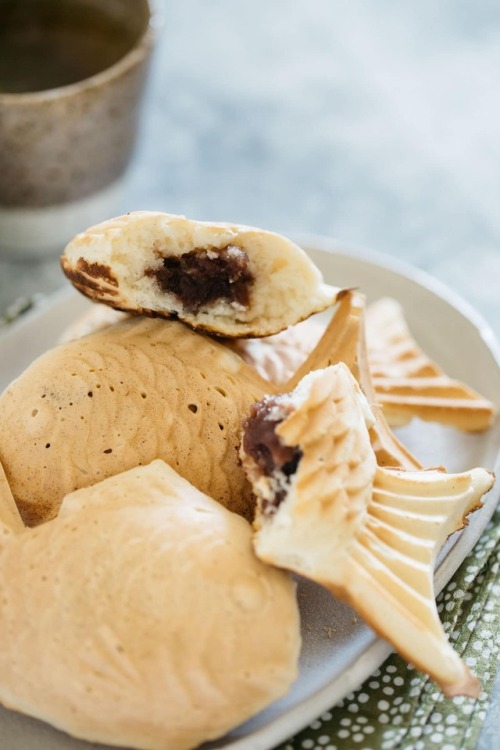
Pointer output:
x,y
389,576
344,341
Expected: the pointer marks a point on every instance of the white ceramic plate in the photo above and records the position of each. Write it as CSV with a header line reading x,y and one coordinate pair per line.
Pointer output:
x,y
339,650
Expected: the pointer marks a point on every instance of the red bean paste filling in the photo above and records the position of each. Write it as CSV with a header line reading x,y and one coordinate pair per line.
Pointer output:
x,y
267,449
202,277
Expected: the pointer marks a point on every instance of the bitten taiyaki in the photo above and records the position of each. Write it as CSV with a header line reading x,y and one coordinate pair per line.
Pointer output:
x,y
164,629
368,534
143,389
226,279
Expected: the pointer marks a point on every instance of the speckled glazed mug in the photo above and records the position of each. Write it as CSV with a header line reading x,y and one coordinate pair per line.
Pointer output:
x,y
64,149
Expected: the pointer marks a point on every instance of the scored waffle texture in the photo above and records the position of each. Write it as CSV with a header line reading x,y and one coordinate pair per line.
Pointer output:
x,y
409,384
141,390
344,341
405,381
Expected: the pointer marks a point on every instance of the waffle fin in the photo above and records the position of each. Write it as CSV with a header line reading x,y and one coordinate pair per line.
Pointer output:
x,y
369,534
389,576
409,384
344,341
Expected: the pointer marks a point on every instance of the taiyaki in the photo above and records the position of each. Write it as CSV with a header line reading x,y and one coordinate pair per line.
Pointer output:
x,y
141,617
226,279
142,389
369,534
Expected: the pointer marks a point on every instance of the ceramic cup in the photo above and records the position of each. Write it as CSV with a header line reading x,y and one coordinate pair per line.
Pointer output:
x,y
64,149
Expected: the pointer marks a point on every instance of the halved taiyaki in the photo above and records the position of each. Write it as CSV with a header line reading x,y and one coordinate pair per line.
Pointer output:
x,y
141,617
139,390
225,279
409,384
368,534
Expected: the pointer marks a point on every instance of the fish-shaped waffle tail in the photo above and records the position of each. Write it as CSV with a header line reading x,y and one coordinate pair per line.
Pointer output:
x,y
409,384
367,533
389,577
344,341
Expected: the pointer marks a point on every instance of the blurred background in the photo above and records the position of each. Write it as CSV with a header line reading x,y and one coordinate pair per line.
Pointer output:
x,y
377,124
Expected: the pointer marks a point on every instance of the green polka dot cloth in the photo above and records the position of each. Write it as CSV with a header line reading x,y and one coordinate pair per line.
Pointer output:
x,y
398,707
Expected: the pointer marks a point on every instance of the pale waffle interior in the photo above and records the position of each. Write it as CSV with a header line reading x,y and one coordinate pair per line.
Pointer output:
x,y
368,534
224,279
409,384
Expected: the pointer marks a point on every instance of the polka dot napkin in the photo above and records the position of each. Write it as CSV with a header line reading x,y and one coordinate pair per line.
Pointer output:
x,y
398,707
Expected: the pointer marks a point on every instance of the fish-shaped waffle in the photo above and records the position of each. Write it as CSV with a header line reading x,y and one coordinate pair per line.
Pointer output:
x,y
369,534
226,279
409,384
142,389
141,617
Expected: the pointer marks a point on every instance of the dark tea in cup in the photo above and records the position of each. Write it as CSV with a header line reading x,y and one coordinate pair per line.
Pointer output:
x,y
45,44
